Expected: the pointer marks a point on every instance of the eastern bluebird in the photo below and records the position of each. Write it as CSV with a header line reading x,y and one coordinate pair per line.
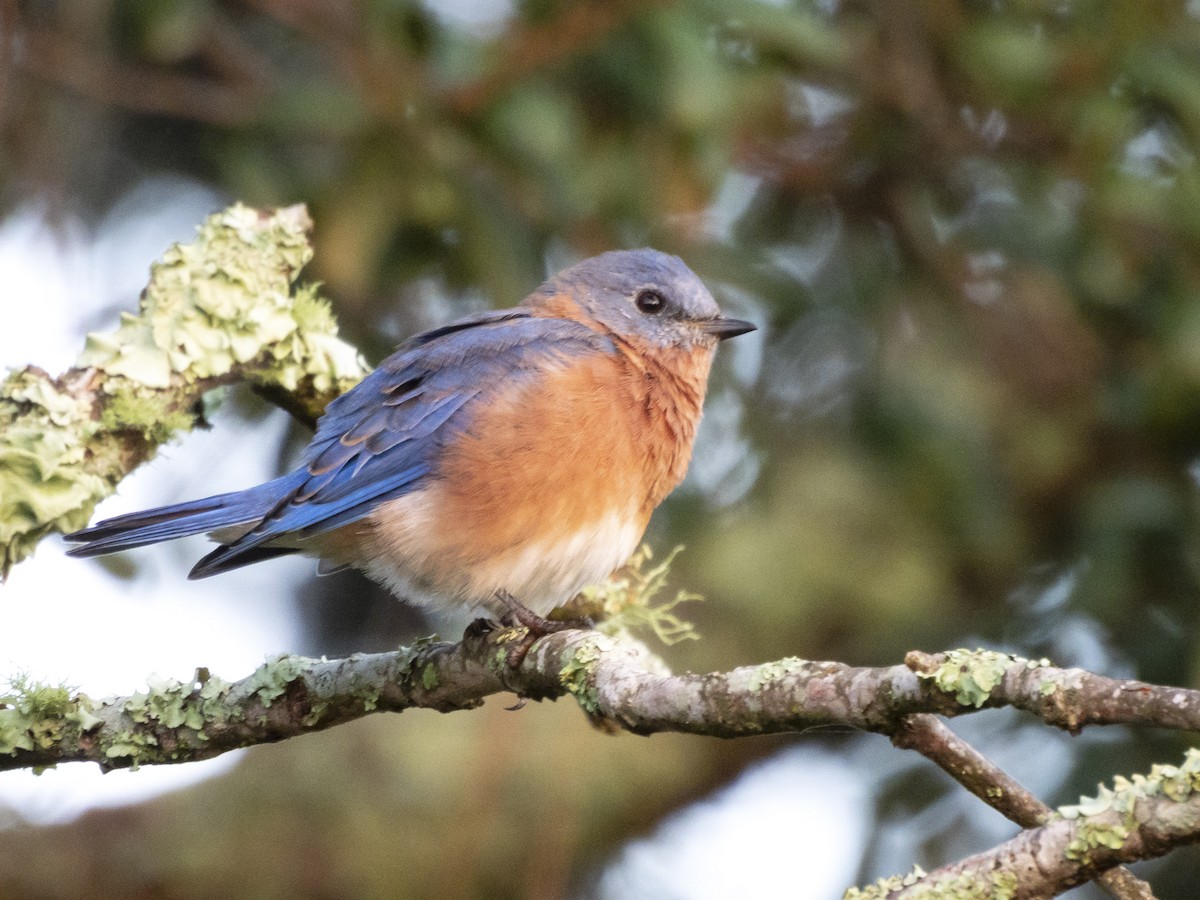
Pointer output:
x,y
512,454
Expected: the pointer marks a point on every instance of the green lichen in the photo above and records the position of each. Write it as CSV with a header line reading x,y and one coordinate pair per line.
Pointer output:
x,y
270,680
213,700
131,747
970,675
155,415
82,715
628,600
43,484
992,886
1090,836
196,705
408,671
429,677
316,712
578,675
367,693
35,716
884,886
774,671
369,696
30,715
499,658
168,702
1176,783
224,300
967,886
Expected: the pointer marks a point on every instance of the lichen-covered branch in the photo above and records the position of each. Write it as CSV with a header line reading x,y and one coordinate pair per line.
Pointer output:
x,y
933,739
1066,698
618,683
1139,818
613,679
222,309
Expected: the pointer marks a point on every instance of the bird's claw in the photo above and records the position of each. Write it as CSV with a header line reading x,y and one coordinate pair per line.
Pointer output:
x,y
536,627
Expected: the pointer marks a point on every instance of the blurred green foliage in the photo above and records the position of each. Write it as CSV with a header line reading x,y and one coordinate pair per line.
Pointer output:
x,y
969,230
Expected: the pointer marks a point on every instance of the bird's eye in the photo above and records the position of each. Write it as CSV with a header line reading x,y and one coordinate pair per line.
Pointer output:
x,y
650,302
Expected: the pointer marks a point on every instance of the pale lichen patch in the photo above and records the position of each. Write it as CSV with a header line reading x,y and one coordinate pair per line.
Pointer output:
x,y
168,702
997,885
972,675
578,674
35,716
271,679
226,299
44,485
770,672
885,886
1176,783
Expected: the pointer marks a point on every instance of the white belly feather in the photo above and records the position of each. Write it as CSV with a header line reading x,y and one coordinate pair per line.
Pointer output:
x,y
403,552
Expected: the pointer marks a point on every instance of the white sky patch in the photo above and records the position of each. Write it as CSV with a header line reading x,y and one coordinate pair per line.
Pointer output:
x,y
820,105
483,18
71,621
1157,154
733,198
793,826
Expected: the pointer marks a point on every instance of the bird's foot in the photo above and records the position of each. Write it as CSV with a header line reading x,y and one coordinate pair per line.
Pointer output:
x,y
535,626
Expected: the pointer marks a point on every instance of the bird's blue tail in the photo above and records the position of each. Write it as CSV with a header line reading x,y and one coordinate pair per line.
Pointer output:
x,y
240,508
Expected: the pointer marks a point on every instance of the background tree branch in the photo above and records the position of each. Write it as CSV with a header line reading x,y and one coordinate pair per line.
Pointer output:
x,y
933,739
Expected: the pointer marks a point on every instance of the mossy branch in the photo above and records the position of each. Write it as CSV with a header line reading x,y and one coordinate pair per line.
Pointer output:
x,y
222,309
933,739
613,678
619,686
1139,818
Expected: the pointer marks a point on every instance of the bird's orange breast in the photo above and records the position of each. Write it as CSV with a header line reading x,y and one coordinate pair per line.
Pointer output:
x,y
549,487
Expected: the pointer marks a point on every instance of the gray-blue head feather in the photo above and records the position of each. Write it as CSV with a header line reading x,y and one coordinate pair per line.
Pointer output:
x,y
644,294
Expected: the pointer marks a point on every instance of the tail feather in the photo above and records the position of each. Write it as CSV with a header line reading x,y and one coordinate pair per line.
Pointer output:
x,y
222,560
166,523
295,521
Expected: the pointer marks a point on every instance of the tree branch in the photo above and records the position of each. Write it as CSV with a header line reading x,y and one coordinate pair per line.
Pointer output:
x,y
218,311
232,96
618,683
1139,819
933,739
613,679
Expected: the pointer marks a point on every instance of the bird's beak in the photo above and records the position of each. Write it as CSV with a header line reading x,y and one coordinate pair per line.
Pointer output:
x,y
726,328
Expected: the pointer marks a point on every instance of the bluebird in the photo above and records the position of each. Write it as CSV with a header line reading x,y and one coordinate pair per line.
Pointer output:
x,y
500,462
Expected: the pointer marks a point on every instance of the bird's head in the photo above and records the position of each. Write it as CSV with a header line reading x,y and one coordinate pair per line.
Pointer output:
x,y
641,296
